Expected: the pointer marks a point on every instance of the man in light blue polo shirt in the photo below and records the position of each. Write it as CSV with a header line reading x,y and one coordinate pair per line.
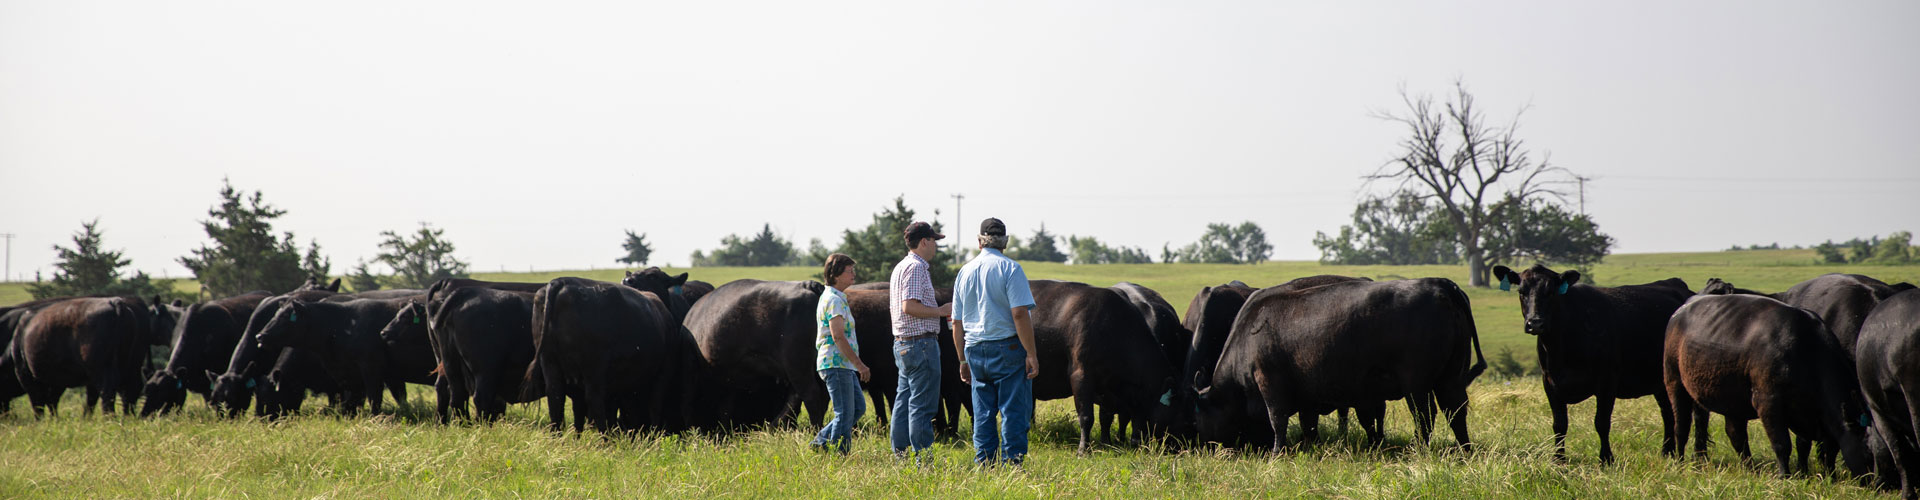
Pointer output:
x,y
990,317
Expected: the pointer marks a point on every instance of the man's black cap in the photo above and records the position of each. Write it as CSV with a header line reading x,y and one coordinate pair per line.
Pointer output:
x,y
993,227
920,230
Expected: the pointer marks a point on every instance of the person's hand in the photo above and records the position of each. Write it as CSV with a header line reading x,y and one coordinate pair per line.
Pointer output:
x,y
865,373
1033,366
946,310
965,378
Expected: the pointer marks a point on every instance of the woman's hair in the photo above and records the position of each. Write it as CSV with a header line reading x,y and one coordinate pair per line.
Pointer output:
x,y
836,264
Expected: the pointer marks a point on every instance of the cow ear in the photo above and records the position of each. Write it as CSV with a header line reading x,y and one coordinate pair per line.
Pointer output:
x,y
629,274
1570,278
179,303
335,287
680,280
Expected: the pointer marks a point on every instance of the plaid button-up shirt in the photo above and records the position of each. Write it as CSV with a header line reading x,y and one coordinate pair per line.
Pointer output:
x,y
911,281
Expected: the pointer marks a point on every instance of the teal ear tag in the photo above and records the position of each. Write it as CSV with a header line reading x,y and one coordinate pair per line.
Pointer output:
x,y
1505,285
293,317
179,385
1563,288
1167,399
416,320
1866,421
251,383
675,290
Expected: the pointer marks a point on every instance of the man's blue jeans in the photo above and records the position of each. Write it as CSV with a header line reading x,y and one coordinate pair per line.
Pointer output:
x,y
1000,388
919,394
843,385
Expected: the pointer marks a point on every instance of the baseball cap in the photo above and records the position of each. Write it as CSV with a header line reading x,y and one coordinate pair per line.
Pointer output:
x,y
921,230
993,227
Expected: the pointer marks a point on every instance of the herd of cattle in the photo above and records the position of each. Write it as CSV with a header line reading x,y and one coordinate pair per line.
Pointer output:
x,y
1833,360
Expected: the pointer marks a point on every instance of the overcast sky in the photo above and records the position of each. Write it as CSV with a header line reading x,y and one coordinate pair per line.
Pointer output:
x,y
535,132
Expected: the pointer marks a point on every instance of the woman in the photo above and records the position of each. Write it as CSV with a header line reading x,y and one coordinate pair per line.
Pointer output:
x,y
838,356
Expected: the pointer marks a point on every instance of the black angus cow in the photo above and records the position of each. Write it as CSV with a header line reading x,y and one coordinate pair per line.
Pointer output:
x,y
1597,342
484,345
606,346
345,336
1344,344
313,285
1172,336
244,382
755,340
11,317
205,336
1210,317
1750,357
1885,351
670,289
1095,347
95,342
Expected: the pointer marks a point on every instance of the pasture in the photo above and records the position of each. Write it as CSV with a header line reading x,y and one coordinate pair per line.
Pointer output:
x,y
195,454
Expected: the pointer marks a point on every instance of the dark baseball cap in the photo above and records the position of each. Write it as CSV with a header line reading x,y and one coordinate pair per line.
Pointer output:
x,y
993,227
920,230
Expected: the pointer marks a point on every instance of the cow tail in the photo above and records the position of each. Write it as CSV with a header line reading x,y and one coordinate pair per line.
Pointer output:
x,y
1464,315
533,385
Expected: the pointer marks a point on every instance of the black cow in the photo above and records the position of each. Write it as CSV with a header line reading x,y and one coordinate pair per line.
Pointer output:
x,y
670,289
485,343
1172,336
346,338
1885,351
755,338
245,377
96,342
1841,300
313,284
1597,342
1752,357
1095,347
601,345
205,336
1349,343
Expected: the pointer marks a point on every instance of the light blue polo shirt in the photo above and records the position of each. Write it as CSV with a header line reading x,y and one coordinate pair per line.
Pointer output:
x,y
985,293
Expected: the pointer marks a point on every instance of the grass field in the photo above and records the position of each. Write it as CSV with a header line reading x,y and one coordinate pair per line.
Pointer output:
x,y
194,454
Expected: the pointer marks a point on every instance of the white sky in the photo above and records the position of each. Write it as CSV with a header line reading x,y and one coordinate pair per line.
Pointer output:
x,y
534,133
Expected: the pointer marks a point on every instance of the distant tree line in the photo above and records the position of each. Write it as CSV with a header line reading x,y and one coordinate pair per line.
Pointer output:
x,y
1896,248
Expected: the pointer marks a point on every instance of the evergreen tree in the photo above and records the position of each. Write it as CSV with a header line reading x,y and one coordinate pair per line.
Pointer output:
x,y
88,269
637,249
763,250
421,260
1040,248
882,243
245,254
361,279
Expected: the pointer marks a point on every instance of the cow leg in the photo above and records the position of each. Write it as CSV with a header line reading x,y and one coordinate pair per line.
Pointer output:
x,y
556,393
1901,440
1667,446
399,391
486,398
1736,437
1371,418
1309,426
1420,405
1083,399
1454,402
579,398
1779,436
1106,420
1803,447
597,411
1559,426
455,377
1603,424
1681,408
1277,408
93,397
880,405
1343,421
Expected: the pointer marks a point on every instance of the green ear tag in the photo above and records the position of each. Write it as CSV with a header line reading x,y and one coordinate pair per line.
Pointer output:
x,y
1505,285
251,383
1563,288
179,385
293,317
1167,399
1866,421
416,320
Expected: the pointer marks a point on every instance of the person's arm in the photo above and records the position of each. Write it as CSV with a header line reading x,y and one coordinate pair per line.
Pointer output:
x,y
839,327
960,349
914,308
1023,326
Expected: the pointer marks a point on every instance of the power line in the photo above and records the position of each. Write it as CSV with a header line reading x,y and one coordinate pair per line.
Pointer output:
x,y
1758,179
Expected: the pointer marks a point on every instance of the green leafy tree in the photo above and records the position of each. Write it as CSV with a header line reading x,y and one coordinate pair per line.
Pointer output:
x,y
879,245
1228,244
1897,248
419,261
88,269
362,279
1042,247
245,255
637,249
1088,250
763,249
1399,229
1536,231
1829,253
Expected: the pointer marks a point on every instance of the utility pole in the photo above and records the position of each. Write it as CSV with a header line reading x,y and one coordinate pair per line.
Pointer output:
x,y
9,275
958,223
1583,192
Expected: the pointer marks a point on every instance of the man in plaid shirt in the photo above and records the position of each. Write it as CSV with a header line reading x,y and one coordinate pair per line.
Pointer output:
x,y
916,320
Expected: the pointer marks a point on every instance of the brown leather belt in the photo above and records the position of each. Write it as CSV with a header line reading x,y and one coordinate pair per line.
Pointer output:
x,y
916,336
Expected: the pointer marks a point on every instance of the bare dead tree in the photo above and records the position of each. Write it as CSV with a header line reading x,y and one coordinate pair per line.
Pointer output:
x,y
1475,170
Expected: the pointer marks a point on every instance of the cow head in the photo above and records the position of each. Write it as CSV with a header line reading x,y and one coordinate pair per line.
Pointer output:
x,y
1541,293
232,392
162,317
164,392
410,324
661,285
287,327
